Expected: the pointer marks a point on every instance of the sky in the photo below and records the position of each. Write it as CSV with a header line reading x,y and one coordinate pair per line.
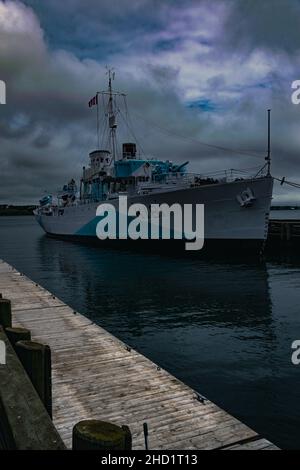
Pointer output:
x,y
194,71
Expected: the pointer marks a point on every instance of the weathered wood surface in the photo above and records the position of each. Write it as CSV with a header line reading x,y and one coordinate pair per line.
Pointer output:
x,y
24,422
96,377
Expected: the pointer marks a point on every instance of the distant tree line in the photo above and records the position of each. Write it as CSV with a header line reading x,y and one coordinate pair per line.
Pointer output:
x,y
281,208
15,210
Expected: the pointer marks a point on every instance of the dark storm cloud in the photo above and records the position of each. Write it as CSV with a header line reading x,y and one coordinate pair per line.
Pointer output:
x,y
272,24
205,70
92,28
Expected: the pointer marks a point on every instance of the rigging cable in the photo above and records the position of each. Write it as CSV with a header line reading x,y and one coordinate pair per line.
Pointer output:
x,y
191,139
132,132
130,126
289,183
104,121
128,122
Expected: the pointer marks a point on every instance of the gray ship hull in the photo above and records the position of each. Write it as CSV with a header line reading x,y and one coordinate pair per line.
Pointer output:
x,y
227,222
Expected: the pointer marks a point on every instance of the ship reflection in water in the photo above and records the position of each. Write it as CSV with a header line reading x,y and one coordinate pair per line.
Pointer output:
x,y
225,328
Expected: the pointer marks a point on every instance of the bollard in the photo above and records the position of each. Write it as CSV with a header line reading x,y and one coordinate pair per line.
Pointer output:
x,y
36,360
5,312
17,334
99,435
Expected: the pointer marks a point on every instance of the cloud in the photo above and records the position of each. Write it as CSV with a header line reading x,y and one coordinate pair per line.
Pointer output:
x,y
271,24
202,69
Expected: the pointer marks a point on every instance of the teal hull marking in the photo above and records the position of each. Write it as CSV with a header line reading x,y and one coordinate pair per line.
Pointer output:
x,y
89,229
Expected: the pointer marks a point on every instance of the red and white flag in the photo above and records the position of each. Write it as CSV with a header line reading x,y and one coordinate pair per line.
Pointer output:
x,y
93,101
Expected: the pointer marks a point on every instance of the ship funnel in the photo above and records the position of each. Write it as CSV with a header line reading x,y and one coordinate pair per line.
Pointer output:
x,y
129,150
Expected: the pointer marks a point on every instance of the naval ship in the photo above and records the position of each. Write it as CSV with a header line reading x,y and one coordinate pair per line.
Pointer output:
x,y
236,204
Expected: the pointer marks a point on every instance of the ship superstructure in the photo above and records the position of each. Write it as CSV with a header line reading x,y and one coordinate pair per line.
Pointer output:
x,y
236,204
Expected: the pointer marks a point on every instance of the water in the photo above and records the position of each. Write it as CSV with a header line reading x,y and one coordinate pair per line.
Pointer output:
x,y
223,328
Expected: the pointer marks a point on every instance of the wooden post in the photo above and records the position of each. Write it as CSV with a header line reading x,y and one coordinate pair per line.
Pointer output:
x,y
17,334
288,232
36,360
282,232
99,435
25,423
5,313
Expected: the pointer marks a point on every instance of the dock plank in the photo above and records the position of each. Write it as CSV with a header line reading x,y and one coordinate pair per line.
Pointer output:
x,y
96,376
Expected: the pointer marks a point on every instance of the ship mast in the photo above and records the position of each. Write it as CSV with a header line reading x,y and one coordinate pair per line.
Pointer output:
x,y
110,111
268,158
111,114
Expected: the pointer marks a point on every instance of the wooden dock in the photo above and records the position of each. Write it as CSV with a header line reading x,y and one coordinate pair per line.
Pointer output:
x,y
284,230
284,225
96,376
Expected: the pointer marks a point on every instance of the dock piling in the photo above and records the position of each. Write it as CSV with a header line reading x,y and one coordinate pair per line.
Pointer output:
x,y
36,360
5,312
25,424
17,334
98,435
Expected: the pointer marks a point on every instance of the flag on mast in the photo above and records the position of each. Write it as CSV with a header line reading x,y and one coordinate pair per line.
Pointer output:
x,y
93,101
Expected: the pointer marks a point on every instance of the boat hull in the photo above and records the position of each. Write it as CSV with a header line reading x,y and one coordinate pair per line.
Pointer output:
x,y
227,222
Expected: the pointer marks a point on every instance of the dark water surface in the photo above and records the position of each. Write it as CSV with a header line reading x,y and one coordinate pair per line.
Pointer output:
x,y
223,328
